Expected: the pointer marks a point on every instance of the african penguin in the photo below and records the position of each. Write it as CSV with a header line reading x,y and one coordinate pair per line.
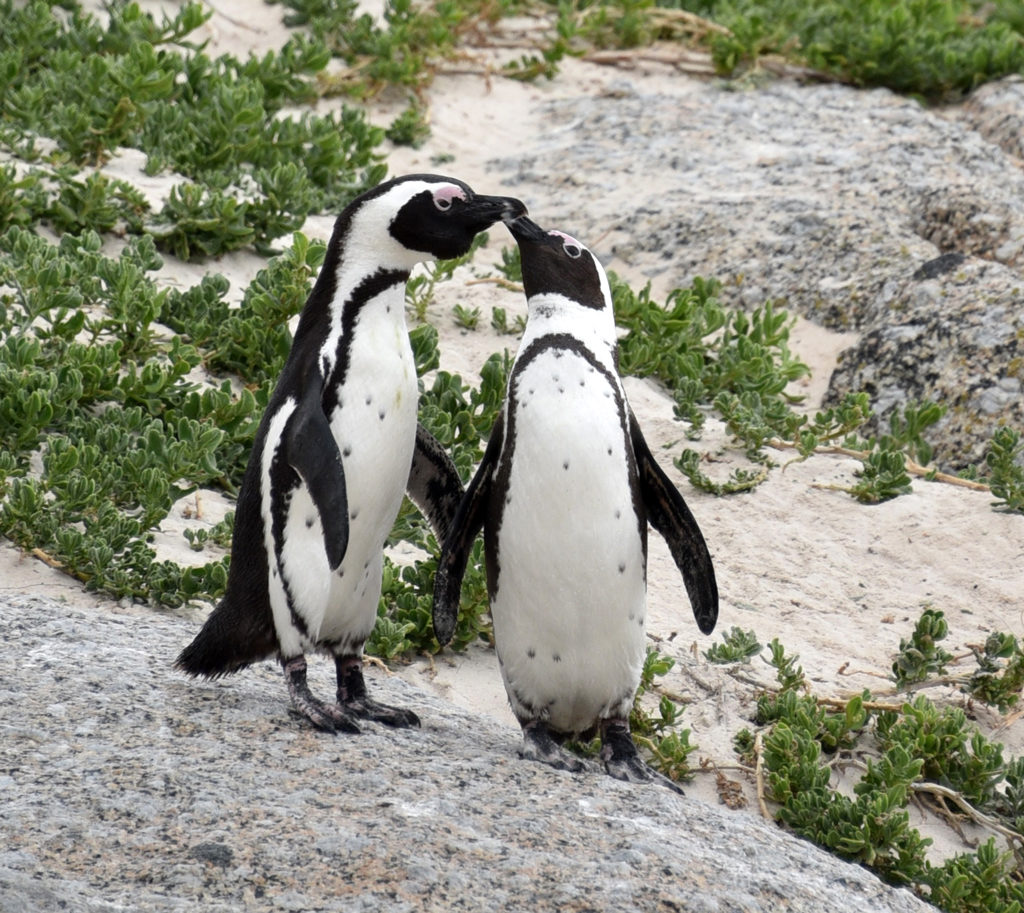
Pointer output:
x,y
337,447
564,494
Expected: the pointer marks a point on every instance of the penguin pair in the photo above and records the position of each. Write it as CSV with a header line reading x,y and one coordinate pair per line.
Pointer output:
x,y
338,446
564,495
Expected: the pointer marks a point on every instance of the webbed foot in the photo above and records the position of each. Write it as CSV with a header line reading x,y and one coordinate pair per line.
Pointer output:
x,y
623,761
352,697
540,745
328,717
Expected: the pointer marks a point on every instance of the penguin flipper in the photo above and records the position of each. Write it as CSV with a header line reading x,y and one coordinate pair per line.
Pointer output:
x,y
434,484
313,453
469,519
669,515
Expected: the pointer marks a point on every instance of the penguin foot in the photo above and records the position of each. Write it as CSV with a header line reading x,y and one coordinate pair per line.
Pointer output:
x,y
365,709
352,697
623,761
540,745
328,717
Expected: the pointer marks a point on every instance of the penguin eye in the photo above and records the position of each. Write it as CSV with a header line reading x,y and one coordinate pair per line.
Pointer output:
x,y
446,195
572,250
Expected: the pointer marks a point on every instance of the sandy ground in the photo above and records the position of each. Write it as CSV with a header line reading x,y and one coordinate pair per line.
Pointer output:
x,y
837,582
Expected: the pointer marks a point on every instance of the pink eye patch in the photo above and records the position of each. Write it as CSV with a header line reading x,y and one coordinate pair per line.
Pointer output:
x,y
449,192
566,239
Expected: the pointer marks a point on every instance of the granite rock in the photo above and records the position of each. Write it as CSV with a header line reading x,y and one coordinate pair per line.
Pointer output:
x,y
129,787
957,341
996,111
849,207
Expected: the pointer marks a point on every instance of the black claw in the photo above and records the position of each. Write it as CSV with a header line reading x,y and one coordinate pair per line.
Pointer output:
x,y
670,783
540,745
623,761
325,717
399,717
352,697
636,771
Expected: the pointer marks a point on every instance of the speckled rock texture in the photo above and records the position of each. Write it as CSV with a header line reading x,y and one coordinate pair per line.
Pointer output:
x,y
127,787
861,210
996,111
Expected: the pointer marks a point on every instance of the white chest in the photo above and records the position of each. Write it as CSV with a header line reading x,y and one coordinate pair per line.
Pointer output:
x,y
569,607
374,425
374,422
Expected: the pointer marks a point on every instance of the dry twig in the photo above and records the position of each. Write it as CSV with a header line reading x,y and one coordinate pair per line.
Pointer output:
x,y
499,281
759,777
942,793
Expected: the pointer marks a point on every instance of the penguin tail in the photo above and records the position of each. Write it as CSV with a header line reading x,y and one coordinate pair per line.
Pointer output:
x,y
229,641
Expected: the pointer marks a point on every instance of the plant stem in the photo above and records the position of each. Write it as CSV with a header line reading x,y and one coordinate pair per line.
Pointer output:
x,y
499,281
759,777
979,817
912,467
840,703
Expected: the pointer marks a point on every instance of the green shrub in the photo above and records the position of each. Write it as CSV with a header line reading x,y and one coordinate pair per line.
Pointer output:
x,y
929,48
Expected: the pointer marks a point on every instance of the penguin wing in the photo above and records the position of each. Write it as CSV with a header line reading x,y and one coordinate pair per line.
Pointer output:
x,y
313,453
434,484
669,515
469,518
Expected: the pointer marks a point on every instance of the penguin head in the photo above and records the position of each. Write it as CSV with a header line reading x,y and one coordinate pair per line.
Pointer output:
x,y
427,217
555,263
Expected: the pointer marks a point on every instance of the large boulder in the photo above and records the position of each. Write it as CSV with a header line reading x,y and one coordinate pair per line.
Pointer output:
x,y
955,337
128,787
861,210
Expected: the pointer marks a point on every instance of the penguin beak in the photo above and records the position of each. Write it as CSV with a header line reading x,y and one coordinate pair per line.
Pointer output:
x,y
485,211
523,228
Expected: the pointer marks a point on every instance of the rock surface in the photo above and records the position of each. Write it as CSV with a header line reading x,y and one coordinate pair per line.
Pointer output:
x,y
128,787
996,111
860,210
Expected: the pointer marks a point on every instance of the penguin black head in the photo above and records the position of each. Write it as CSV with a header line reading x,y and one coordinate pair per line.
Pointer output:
x,y
428,216
556,264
